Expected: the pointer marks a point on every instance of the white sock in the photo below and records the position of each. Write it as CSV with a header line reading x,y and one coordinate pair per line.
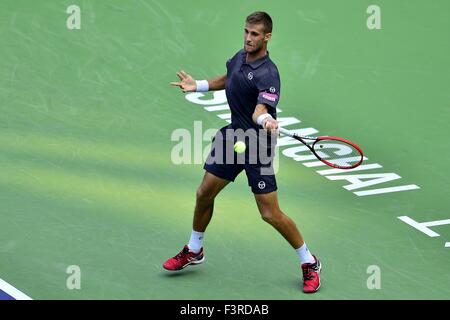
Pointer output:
x,y
196,241
304,255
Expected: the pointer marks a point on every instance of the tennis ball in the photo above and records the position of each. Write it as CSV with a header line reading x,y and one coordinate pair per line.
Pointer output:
x,y
239,147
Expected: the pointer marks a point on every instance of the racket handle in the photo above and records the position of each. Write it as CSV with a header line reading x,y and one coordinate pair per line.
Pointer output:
x,y
286,132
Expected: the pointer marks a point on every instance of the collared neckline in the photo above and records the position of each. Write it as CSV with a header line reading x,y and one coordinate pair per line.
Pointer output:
x,y
257,63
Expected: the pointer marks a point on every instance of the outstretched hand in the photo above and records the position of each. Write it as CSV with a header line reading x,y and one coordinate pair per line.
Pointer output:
x,y
187,83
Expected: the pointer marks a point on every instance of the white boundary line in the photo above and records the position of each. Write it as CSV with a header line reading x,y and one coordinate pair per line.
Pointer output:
x,y
13,292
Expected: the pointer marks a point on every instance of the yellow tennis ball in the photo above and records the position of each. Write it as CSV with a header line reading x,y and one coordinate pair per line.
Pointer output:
x,y
239,147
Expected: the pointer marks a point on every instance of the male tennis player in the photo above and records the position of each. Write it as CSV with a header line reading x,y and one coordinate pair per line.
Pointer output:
x,y
252,86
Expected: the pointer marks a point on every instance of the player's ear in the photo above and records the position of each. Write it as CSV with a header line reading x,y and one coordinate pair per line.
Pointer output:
x,y
267,37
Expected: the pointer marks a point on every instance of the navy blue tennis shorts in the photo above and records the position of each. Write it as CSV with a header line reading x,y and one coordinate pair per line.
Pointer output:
x,y
224,163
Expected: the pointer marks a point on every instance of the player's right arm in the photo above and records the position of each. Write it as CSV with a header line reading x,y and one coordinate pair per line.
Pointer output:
x,y
217,83
188,84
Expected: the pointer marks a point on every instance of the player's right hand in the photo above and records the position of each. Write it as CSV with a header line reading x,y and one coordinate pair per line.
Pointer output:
x,y
187,83
271,125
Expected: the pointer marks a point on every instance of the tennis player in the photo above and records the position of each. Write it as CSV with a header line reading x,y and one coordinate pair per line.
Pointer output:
x,y
252,86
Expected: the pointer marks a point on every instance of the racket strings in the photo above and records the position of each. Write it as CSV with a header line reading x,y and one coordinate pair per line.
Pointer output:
x,y
339,154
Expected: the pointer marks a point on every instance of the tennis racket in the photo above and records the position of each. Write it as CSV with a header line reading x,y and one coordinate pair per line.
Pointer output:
x,y
333,151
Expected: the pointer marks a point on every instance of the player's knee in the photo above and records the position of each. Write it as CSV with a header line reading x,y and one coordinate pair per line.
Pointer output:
x,y
269,215
204,194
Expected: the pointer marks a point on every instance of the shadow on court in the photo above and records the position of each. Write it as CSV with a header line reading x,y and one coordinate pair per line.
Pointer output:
x,y
185,273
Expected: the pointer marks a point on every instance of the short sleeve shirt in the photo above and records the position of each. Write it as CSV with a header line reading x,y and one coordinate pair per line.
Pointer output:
x,y
249,84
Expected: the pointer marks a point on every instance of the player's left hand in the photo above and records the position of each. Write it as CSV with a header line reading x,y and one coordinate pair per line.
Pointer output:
x,y
187,83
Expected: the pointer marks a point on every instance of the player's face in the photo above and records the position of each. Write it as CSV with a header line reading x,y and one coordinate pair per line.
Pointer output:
x,y
254,37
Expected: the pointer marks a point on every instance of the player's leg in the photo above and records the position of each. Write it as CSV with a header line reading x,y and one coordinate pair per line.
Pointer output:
x,y
272,214
264,186
204,205
221,169
192,253
218,174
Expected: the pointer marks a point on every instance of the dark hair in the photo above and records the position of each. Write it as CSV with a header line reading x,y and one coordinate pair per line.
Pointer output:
x,y
260,17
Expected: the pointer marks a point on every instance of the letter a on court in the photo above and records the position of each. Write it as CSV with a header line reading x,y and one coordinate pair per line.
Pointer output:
x,y
374,280
374,20
74,20
74,280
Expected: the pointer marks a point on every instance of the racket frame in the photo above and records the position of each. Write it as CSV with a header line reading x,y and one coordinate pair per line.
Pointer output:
x,y
322,138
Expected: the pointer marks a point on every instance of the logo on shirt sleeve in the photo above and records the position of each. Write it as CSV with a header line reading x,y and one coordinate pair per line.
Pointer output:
x,y
250,76
269,96
272,89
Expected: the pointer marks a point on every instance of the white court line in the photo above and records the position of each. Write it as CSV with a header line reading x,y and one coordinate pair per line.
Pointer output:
x,y
13,292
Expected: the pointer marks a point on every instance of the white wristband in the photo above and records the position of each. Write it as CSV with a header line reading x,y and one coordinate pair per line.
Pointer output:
x,y
202,85
262,117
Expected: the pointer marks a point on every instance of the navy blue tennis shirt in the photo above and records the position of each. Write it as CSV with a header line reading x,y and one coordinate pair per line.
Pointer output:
x,y
249,84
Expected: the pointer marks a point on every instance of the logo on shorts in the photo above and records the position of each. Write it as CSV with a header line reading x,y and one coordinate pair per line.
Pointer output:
x,y
250,76
272,89
261,184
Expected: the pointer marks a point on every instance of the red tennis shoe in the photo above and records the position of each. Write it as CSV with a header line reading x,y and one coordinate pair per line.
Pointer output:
x,y
311,278
183,259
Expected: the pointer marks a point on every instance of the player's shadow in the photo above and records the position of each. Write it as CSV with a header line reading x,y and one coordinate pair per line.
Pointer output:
x,y
185,273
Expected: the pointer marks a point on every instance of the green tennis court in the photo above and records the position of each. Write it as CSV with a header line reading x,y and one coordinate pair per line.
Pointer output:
x,y
87,176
